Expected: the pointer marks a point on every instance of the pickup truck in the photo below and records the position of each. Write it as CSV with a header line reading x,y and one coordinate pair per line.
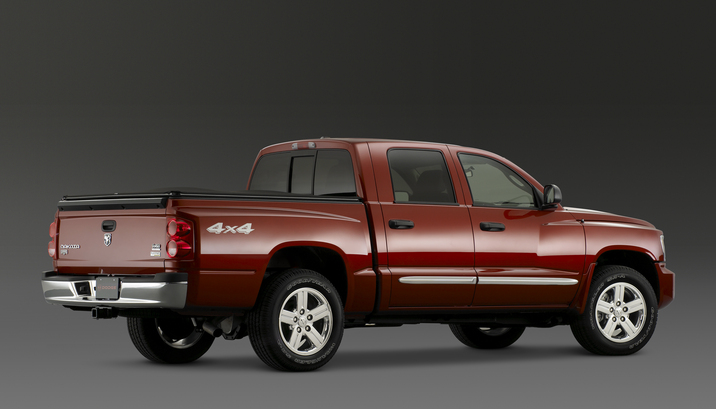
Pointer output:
x,y
344,233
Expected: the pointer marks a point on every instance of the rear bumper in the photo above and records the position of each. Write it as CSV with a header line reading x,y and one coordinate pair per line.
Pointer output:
x,y
163,290
667,282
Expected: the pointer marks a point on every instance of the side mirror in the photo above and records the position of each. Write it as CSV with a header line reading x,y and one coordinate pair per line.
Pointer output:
x,y
552,196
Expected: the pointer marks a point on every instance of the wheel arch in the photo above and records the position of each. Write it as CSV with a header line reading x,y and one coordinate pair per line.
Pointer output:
x,y
641,261
322,258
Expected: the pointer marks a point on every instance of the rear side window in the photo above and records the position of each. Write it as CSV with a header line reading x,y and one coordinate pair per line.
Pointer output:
x,y
420,176
321,172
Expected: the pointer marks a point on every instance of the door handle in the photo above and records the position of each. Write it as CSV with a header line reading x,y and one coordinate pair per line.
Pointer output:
x,y
401,224
490,226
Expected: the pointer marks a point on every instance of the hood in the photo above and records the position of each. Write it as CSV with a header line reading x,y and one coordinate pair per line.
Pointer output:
x,y
598,216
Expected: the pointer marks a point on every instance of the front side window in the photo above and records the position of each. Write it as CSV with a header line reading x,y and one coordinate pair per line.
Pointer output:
x,y
494,184
420,176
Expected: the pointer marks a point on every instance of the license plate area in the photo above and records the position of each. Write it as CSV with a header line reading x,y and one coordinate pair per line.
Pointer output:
x,y
107,288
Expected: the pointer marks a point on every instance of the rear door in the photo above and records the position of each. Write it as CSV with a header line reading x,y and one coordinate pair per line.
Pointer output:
x,y
428,230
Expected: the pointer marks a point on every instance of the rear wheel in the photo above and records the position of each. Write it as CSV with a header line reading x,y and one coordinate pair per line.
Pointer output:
x,y
620,315
481,337
170,340
298,322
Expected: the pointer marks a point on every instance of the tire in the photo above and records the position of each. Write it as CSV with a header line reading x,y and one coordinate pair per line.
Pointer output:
x,y
168,340
620,315
481,337
297,324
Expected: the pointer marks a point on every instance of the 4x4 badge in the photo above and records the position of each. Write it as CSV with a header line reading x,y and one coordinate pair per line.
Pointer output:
x,y
107,239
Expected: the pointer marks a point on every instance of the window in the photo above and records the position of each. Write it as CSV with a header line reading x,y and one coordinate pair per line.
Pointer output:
x,y
420,176
494,184
302,174
334,173
272,173
321,172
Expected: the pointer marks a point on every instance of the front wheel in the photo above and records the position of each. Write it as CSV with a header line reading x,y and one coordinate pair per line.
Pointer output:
x,y
297,324
620,315
477,336
169,340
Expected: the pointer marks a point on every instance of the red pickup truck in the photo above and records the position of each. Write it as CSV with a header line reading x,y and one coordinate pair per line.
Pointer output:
x,y
343,233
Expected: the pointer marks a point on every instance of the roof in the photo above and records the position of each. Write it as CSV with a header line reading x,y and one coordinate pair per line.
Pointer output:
x,y
358,140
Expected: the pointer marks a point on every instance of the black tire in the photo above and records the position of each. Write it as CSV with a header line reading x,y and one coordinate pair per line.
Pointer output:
x,y
481,337
307,343
168,340
608,326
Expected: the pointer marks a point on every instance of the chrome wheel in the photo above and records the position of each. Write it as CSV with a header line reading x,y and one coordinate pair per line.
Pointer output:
x,y
297,324
620,312
305,321
179,335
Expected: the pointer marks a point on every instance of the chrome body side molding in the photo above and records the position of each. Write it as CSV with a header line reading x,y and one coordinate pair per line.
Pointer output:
x,y
527,281
437,280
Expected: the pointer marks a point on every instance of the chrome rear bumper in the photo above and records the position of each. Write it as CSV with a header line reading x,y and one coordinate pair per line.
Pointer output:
x,y
164,290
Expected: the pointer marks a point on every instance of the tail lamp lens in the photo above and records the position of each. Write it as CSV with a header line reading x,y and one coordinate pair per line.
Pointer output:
x,y
51,247
178,228
178,248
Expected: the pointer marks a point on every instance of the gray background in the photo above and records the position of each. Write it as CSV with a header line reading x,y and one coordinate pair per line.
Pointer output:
x,y
614,104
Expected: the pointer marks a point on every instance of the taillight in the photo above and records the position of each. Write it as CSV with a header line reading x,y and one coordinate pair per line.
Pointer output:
x,y
52,246
178,228
178,248
181,240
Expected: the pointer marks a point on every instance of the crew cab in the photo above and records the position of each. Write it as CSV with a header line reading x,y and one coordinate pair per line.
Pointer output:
x,y
343,233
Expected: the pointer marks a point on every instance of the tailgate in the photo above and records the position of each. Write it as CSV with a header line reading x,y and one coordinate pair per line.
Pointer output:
x,y
121,241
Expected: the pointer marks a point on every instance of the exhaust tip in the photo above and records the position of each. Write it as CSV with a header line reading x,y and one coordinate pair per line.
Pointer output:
x,y
210,328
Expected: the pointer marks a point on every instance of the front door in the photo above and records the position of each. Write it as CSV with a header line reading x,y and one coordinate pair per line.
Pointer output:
x,y
523,255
